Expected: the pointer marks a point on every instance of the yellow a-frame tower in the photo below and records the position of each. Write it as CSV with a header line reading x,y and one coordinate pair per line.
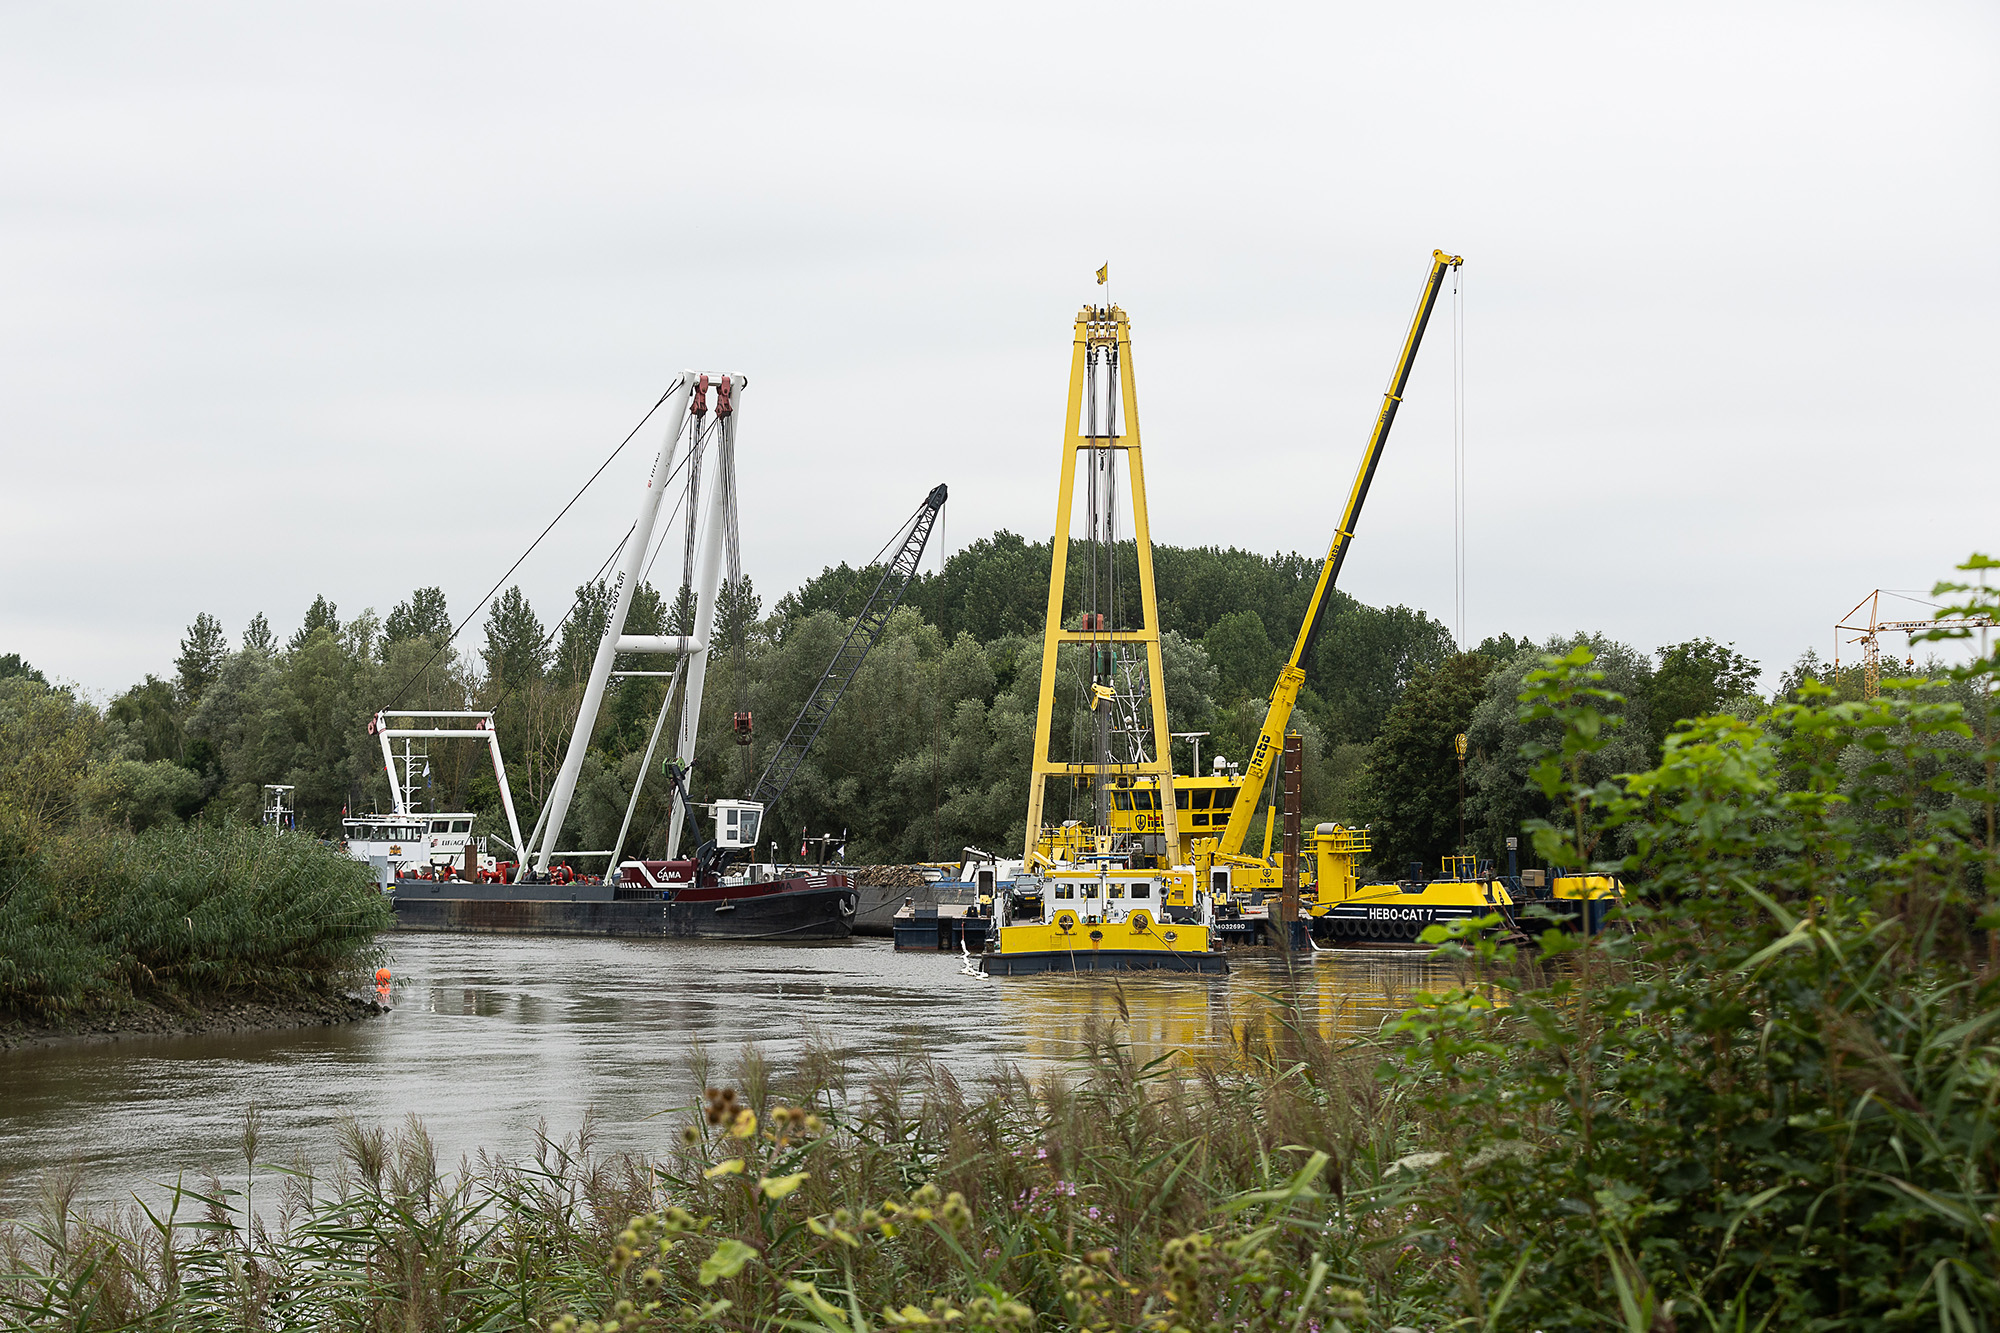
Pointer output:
x,y
1102,356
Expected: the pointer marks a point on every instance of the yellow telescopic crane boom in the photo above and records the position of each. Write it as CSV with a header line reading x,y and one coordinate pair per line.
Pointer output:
x,y
1270,741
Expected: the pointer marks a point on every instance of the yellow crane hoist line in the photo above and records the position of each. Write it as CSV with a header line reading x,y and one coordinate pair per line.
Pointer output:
x,y
1284,694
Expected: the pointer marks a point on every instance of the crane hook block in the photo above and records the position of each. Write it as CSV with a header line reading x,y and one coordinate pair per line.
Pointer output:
x,y
743,728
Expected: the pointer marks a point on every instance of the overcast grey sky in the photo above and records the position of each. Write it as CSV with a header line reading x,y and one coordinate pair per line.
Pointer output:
x,y
346,299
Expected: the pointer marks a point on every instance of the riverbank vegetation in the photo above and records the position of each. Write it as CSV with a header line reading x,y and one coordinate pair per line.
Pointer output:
x,y
107,899
1769,1099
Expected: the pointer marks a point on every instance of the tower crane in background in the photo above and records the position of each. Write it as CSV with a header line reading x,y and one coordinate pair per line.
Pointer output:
x,y
1865,635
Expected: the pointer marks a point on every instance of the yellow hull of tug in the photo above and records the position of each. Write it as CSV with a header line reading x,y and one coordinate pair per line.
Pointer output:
x,y
1064,933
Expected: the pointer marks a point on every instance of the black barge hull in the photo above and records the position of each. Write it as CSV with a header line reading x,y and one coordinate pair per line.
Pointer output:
x,y
808,914
941,934
1370,923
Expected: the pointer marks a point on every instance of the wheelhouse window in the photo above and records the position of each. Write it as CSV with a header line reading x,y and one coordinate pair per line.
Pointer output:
x,y
1198,799
1141,889
1065,890
1122,799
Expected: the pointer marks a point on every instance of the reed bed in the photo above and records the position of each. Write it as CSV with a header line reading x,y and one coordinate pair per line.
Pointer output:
x,y
180,914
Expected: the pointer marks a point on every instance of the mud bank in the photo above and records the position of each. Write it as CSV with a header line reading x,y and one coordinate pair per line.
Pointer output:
x,y
149,1020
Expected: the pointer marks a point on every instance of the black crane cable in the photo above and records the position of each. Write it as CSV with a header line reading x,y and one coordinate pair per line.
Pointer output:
x,y
604,566
438,652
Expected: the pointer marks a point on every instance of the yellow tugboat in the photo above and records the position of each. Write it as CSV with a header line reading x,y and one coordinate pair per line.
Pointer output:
x,y
1105,894
1102,920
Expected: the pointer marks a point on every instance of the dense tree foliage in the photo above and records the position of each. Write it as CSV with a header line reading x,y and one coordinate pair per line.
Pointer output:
x,y
1245,659
13,665
1694,679
424,616
257,635
998,586
1414,775
201,656
321,615
516,649
928,753
1772,1105
1499,798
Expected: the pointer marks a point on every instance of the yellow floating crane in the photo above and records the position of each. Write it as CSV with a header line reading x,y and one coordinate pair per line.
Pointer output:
x,y
1142,810
1201,819
1101,357
1092,900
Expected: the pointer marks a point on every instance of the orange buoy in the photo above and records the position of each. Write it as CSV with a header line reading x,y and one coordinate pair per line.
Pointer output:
x,y
381,976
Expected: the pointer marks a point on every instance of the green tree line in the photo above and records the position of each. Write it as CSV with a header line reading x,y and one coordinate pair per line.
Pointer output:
x,y
927,754
929,750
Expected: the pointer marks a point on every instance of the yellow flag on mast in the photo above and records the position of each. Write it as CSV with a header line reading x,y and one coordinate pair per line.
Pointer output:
x,y
1104,275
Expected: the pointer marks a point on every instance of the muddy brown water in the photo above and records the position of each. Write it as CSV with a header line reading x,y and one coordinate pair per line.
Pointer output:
x,y
492,1036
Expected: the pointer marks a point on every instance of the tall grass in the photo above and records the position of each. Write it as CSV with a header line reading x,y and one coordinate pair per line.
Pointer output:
x,y
1248,1185
92,921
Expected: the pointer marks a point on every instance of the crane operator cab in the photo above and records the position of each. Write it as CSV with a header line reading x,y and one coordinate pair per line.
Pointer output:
x,y
737,824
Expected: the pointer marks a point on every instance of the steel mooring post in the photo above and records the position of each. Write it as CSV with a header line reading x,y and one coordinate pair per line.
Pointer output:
x,y
1289,902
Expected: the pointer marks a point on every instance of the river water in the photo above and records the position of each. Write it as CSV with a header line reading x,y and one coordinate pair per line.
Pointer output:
x,y
491,1036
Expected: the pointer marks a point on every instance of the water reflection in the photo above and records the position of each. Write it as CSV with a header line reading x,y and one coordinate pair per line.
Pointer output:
x,y
1343,994
493,1035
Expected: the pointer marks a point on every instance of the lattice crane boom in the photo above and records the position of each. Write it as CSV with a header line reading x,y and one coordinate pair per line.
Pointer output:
x,y
839,674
